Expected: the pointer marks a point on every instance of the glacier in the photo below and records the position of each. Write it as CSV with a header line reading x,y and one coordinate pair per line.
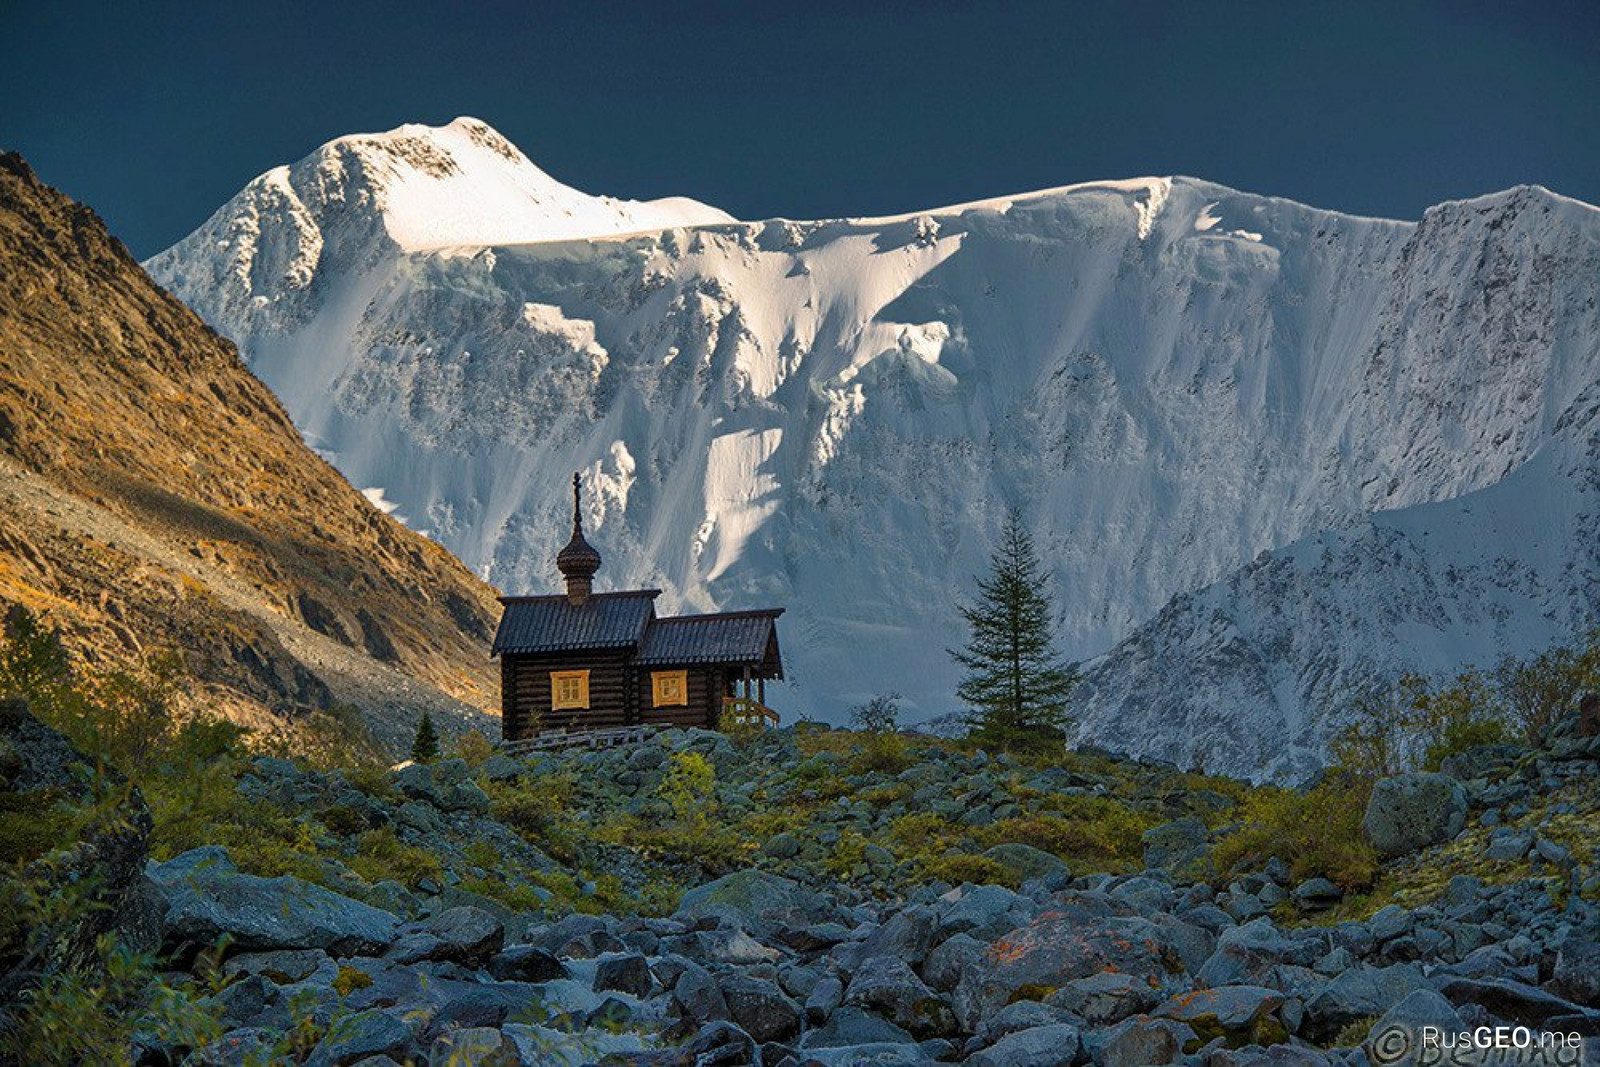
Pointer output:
x,y
1265,449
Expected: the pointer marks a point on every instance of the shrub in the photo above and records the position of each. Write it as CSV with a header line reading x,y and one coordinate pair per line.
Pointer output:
x,y
350,979
879,715
473,747
380,855
689,789
1093,830
1316,832
883,753
1539,691
979,870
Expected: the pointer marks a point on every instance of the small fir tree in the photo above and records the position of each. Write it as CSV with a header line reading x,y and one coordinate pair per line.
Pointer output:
x,y
425,747
1016,686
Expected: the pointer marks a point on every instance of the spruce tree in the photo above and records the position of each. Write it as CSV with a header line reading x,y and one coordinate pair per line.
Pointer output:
x,y
425,747
1015,685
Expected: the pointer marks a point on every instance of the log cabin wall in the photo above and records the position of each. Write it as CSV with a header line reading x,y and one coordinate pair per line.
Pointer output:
x,y
705,698
525,693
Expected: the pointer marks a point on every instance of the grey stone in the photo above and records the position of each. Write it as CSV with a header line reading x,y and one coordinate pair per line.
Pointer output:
x,y
760,902
526,963
698,996
1237,1011
1140,1042
888,985
477,1046
256,913
944,966
1389,922
850,1027
355,1037
985,912
782,846
1043,1046
1397,1037
760,1008
825,996
1105,998
1317,894
1025,861
1412,811
625,973
1576,975
284,966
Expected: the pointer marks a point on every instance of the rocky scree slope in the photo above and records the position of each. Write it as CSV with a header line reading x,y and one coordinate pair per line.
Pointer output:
x,y
1497,926
154,495
1171,376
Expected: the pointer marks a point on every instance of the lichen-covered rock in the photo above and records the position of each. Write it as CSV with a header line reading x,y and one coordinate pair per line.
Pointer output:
x,y
1412,811
1247,1014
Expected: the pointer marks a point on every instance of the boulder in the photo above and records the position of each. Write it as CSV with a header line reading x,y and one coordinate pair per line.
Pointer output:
x,y
526,963
759,902
1239,1013
1105,998
1073,941
888,985
470,935
1412,811
760,1008
1042,1046
1576,975
446,785
478,1046
356,1037
699,997
284,967
984,912
1027,862
824,998
850,1027
1397,1036
1140,1042
623,972
1316,894
256,913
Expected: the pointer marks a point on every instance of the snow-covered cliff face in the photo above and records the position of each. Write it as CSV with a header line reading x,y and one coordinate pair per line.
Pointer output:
x,y
1171,377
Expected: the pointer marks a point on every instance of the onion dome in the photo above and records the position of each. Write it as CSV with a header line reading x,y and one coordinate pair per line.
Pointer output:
x,y
579,559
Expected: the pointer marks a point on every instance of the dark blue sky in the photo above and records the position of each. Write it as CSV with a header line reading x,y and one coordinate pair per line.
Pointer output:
x,y
154,114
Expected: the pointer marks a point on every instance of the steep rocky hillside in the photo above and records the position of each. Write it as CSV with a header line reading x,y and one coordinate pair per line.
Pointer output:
x,y
154,495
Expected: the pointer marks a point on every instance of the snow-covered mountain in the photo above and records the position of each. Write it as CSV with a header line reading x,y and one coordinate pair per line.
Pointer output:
x,y
1170,376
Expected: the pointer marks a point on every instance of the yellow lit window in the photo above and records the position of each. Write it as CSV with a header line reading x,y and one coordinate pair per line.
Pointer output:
x,y
569,689
670,687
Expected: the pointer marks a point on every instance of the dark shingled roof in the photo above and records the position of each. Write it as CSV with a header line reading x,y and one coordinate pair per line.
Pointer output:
x,y
730,637
553,624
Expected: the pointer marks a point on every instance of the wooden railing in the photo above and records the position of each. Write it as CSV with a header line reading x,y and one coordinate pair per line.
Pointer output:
x,y
560,738
743,711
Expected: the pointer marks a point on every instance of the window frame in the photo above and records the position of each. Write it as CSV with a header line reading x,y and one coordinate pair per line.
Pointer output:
x,y
576,703
656,679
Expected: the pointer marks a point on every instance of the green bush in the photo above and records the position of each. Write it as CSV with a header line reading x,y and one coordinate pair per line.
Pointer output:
x,y
979,870
882,753
1316,833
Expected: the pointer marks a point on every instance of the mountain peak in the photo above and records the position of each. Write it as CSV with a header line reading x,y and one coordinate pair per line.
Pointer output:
x,y
464,184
